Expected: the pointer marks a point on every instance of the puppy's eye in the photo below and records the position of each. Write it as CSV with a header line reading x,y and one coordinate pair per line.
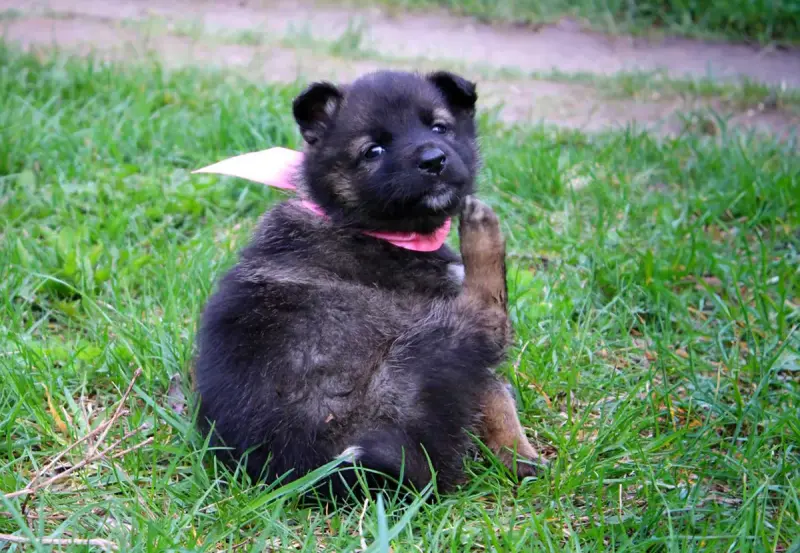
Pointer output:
x,y
374,152
439,128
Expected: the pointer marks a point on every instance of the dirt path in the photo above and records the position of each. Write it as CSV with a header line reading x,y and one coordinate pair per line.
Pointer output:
x,y
123,29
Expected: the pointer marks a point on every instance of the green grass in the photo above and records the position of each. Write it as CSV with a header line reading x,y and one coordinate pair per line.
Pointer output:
x,y
761,21
657,85
655,294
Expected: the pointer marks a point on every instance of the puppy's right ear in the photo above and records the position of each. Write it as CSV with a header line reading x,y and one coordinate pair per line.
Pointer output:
x,y
458,91
315,108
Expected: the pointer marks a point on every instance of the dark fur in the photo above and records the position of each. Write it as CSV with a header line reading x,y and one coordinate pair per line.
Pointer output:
x,y
322,338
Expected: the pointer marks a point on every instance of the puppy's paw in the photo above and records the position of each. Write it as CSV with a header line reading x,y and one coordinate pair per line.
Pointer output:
x,y
483,253
480,229
524,463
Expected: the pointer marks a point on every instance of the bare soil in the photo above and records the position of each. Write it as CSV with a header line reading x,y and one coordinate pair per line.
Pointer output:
x,y
414,41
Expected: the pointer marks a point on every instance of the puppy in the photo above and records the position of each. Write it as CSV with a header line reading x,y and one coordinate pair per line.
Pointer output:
x,y
325,342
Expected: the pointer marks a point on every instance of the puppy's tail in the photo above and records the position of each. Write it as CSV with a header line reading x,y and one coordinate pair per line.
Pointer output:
x,y
381,459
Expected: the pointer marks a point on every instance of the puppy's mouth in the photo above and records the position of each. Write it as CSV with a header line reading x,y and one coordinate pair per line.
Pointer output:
x,y
441,199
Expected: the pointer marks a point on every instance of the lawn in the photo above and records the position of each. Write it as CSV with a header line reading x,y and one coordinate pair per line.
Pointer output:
x,y
654,289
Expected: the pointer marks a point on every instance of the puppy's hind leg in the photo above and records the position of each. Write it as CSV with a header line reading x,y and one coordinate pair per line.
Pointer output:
x,y
503,434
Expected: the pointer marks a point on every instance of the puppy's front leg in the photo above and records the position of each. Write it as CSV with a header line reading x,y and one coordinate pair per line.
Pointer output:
x,y
483,252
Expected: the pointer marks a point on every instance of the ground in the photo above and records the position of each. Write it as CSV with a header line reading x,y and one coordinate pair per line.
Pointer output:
x,y
653,275
559,73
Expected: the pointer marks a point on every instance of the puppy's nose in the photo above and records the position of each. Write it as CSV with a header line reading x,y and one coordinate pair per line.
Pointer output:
x,y
432,161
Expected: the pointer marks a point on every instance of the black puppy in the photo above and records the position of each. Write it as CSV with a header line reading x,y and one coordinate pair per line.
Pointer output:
x,y
325,342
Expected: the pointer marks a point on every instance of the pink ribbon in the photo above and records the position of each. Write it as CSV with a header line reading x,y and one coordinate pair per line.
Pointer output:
x,y
276,166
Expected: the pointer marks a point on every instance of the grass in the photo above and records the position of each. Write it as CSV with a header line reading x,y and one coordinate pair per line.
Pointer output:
x,y
657,85
655,294
762,21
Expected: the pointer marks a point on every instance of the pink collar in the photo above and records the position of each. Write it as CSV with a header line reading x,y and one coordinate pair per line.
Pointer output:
x,y
275,167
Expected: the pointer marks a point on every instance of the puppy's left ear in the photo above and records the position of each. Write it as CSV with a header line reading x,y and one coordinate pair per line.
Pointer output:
x,y
458,91
315,109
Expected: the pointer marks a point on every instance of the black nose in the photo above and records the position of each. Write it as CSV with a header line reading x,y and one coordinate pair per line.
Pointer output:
x,y
432,161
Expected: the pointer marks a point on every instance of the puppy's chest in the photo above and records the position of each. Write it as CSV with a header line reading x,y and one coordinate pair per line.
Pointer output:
x,y
433,279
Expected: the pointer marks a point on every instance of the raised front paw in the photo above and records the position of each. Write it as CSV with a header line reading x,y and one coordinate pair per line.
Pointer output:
x,y
483,252
479,222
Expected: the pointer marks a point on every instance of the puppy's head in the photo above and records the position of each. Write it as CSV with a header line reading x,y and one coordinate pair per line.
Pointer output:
x,y
392,151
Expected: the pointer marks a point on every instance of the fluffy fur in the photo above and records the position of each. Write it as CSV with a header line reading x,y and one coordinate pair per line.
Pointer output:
x,y
323,342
